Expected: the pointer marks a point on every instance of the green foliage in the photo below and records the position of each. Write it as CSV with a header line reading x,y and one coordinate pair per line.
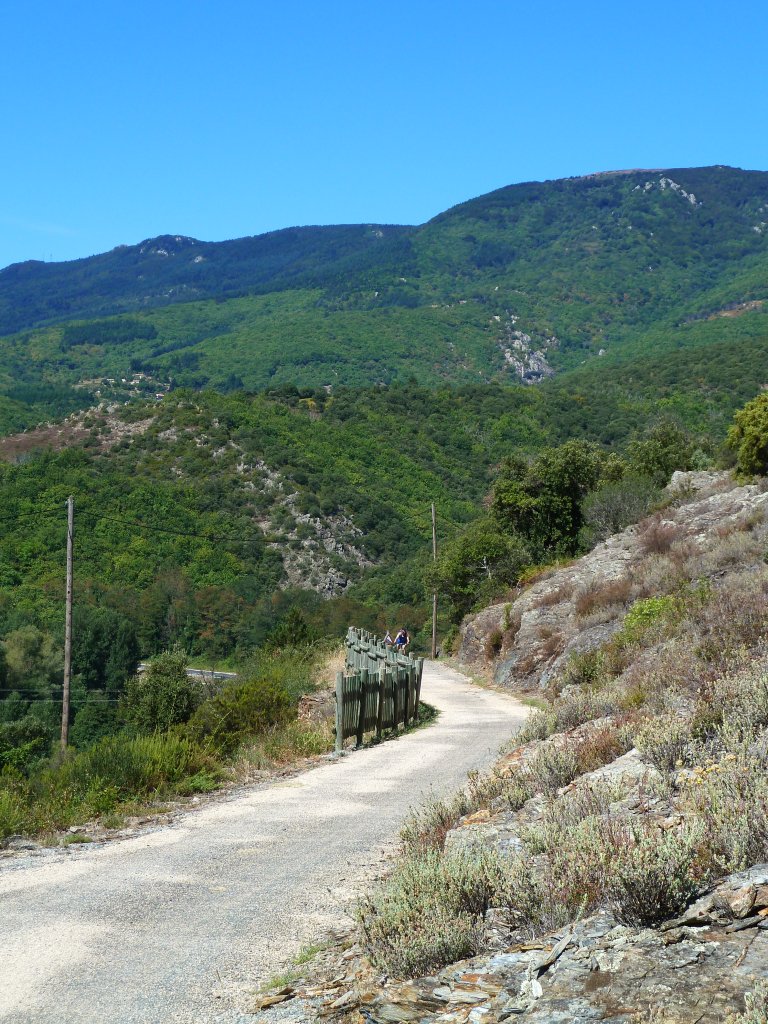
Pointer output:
x,y
95,720
292,630
748,437
105,648
477,563
651,877
107,332
429,912
541,500
669,291
647,614
242,710
24,742
113,772
663,449
162,696
615,505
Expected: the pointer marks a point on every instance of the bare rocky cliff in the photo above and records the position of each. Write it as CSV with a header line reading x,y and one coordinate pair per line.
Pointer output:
x,y
526,642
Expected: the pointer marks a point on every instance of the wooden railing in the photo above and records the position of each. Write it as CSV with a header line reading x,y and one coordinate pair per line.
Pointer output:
x,y
378,690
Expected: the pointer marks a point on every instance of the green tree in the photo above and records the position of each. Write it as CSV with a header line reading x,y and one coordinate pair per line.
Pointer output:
x,y
748,437
33,660
292,630
105,649
162,696
24,742
614,505
665,448
541,500
479,562
93,721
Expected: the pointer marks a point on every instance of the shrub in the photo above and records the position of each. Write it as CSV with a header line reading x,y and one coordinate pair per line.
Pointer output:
x,y
538,726
646,615
283,744
748,437
426,826
24,743
733,619
584,668
658,536
430,910
566,880
162,696
602,594
649,873
756,1006
240,712
551,768
613,506
661,450
729,797
130,766
95,720
601,746
663,740
13,813
493,643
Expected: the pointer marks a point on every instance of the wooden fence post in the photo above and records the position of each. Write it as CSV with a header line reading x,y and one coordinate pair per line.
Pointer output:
x,y
339,712
363,688
380,709
407,696
419,671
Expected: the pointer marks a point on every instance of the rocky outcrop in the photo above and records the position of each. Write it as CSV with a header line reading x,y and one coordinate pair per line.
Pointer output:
x,y
596,970
526,641
526,356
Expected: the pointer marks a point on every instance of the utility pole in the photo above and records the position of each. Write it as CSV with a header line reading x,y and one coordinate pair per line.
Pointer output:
x,y
68,624
434,595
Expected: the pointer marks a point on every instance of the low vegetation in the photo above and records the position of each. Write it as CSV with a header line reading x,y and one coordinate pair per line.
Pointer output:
x,y
169,738
682,683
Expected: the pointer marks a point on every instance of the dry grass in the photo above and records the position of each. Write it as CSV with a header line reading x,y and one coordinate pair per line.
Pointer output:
x,y
602,594
657,536
325,674
556,596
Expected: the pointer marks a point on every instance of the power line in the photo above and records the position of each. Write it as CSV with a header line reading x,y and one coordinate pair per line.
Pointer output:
x,y
57,700
217,538
27,515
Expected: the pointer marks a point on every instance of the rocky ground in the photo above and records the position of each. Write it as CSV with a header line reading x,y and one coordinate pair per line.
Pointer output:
x,y
636,806
525,642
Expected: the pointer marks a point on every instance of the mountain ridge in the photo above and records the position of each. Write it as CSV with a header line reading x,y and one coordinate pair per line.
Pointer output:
x,y
569,277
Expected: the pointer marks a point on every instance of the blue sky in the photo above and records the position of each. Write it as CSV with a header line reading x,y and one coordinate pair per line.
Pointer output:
x,y
125,121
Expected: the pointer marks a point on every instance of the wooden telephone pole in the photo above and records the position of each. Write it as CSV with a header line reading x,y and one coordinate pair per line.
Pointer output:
x,y
434,594
68,624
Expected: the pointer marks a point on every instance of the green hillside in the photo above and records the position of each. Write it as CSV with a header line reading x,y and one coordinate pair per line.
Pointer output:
x,y
529,277
192,511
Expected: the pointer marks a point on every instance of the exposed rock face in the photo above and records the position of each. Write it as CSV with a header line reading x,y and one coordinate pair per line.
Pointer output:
x,y
595,970
524,354
524,642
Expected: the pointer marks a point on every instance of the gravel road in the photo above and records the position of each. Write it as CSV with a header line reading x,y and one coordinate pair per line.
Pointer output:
x,y
182,923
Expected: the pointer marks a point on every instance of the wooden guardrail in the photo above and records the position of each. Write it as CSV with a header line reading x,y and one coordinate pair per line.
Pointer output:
x,y
378,690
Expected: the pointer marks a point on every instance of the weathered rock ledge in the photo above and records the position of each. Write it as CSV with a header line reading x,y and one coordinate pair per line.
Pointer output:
x,y
525,642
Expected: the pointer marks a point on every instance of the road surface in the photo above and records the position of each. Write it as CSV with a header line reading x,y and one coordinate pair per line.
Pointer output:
x,y
182,923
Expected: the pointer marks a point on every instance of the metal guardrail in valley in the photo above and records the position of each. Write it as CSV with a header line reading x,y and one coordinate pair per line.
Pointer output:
x,y
378,690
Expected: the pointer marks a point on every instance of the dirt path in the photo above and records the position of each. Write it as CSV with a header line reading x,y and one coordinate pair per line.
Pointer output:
x,y
181,924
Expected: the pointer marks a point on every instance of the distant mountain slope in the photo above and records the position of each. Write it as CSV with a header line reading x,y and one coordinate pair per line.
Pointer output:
x,y
575,276
174,268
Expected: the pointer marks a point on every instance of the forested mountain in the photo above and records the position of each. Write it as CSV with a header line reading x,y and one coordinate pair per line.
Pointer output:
x,y
535,361
528,280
